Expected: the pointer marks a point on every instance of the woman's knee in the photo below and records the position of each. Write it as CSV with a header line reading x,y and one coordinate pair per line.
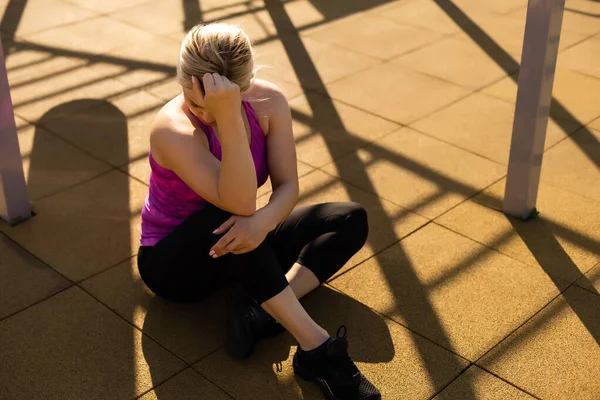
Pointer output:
x,y
357,222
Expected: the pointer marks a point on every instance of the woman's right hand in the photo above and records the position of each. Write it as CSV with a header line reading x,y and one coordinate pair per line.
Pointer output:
x,y
222,97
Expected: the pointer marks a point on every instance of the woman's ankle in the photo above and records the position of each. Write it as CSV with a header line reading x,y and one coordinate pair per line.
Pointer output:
x,y
312,342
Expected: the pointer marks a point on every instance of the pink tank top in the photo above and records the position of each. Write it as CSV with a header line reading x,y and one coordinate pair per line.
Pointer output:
x,y
170,200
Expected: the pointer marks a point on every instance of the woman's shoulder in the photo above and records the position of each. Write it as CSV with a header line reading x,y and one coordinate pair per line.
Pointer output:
x,y
268,101
265,96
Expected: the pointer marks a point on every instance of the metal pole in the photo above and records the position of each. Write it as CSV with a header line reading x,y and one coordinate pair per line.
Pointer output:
x,y
14,203
536,77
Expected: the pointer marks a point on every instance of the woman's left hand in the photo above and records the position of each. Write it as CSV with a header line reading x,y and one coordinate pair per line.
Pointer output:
x,y
244,234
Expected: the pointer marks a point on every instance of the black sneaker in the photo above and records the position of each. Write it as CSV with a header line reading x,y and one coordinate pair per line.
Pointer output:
x,y
333,369
247,323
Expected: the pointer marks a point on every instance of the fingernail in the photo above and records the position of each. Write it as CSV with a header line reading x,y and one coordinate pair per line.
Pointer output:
x,y
215,231
212,253
214,256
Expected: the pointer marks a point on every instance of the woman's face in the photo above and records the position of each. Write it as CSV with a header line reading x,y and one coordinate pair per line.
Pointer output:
x,y
195,103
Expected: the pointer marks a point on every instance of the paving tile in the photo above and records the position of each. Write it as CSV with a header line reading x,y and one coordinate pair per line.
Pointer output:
x,y
564,242
395,93
24,18
396,360
326,129
580,16
309,63
116,132
450,289
574,164
485,386
187,385
107,6
503,7
147,68
87,228
429,176
555,355
189,330
303,169
387,222
481,70
595,124
382,38
157,16
483,124
579,94
507,32
24,280
426,14
50,164
83,36
166,90
77,87
584,57
591,280
72,347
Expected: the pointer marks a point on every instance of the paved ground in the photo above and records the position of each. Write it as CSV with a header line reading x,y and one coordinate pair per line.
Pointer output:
x,y
405,106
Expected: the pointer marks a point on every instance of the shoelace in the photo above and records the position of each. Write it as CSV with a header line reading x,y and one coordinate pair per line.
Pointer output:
x,y
346,366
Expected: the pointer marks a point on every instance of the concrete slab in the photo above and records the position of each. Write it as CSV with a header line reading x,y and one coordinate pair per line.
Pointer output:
x,y
424,14
190,331
158,17
285,60
187,385
450,289
41,15
107,6
384,39
395,93
149,62
24,280
72,347
556,354
429,176
481,70
591,280
388,222
483,124
485,385
584,57
326,129
73,84
116,132
504,7
50,164
85,229
574,164
563,243
507,31
580,16
83,36
578,93
400,363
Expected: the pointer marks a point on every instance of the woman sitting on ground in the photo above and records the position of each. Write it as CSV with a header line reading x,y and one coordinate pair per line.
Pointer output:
x,y
211,147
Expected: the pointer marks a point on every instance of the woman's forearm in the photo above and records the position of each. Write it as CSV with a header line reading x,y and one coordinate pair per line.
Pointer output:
x,y
237,177
280,205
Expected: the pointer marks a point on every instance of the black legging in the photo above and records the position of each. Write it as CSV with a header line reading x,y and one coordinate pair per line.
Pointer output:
x,y
321,237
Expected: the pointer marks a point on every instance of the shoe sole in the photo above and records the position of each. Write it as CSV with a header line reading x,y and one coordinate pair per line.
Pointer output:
x,y
238,339
309,377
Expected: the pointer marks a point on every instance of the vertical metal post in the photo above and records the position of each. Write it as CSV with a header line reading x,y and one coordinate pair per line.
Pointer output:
x,y
536,77
14,203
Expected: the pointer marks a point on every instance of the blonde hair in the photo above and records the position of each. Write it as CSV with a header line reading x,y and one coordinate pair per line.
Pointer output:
x,y
216,47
